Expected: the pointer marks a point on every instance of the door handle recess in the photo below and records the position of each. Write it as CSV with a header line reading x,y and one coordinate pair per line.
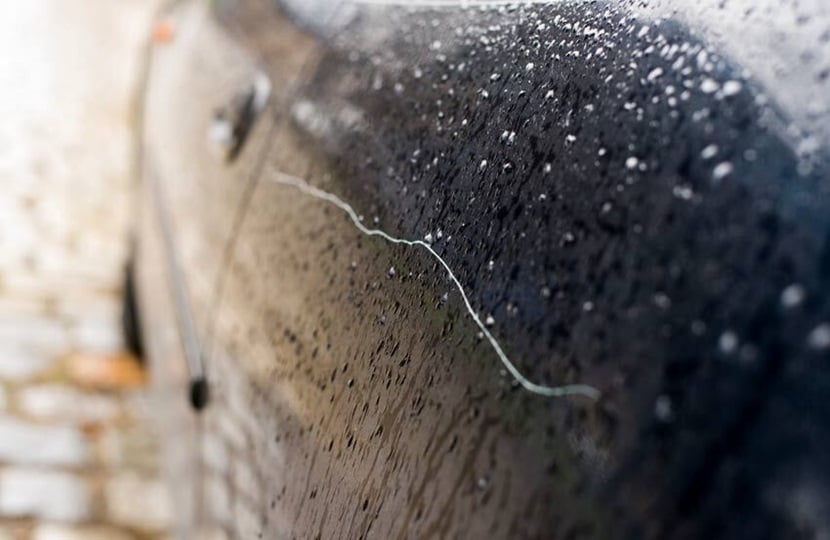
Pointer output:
x,y
232,122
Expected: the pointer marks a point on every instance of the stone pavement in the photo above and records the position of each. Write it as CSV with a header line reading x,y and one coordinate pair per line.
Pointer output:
x,y
77,456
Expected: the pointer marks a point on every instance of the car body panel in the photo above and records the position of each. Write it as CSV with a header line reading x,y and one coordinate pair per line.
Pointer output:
x,y
625,207
189,209
192,76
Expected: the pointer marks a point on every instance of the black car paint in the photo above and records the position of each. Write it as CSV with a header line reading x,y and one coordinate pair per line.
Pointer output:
x,y
627,275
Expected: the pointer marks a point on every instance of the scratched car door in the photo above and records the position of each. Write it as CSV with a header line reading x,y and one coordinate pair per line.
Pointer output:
x,y
532,270
207,122
368,398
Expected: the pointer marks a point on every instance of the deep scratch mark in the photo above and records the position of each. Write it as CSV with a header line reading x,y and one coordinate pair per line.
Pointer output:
x,y
552,391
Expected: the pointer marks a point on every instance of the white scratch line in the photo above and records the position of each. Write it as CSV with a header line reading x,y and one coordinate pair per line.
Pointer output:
x,y
552,391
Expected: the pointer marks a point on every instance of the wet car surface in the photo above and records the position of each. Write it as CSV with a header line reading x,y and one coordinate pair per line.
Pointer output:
x,y
447,212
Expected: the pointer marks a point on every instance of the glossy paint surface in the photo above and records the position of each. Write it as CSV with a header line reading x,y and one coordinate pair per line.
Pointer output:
x,y
626,204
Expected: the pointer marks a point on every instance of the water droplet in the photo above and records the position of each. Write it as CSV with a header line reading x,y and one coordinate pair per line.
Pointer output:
x,y
709,152
417,73
588,306
631,162
547,168
663,409
792,295
722,170
482,165
495,76
698,327
428,238
545,292
391,272
709,86
529,66
654,74
570,139
819,337
662,301
377,82
489,320
549,94
728,342
683,192
730,88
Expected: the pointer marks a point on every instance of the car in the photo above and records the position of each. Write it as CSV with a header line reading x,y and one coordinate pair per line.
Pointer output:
x,y
459,269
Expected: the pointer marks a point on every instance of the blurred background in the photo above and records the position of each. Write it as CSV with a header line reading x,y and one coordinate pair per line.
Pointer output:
x,y
77,453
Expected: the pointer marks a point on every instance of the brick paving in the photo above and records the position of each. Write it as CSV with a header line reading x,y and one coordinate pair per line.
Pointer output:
x,y
77,459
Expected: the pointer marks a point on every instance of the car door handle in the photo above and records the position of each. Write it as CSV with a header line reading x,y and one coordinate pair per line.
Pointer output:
x,y
232,122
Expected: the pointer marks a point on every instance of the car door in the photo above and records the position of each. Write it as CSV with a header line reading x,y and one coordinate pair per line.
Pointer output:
x,y
478,218
366,399
208,115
